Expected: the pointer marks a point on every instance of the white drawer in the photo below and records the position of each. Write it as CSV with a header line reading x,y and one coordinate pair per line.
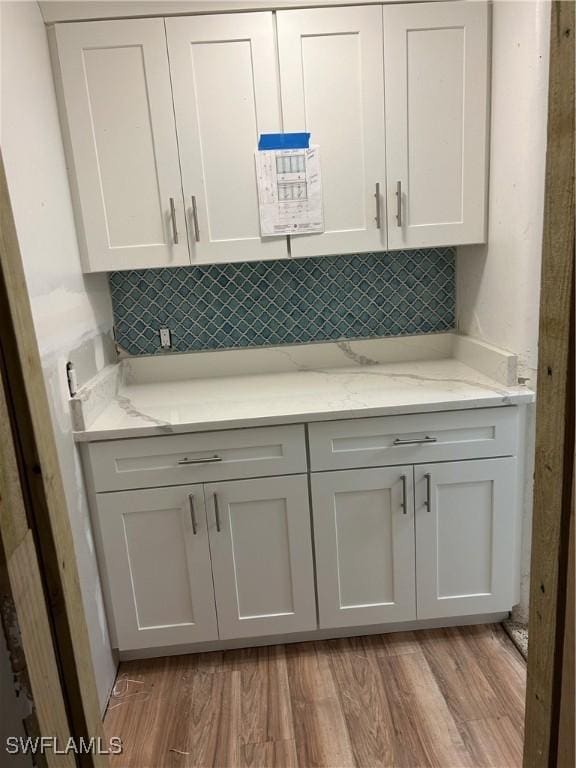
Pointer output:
x,y
413,439
149,462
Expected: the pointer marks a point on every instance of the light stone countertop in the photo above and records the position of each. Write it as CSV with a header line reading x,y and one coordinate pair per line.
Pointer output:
x,y
303,392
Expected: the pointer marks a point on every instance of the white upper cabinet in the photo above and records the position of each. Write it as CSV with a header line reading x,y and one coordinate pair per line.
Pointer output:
x,y
225,85
162,118
122,148
436,70
331,76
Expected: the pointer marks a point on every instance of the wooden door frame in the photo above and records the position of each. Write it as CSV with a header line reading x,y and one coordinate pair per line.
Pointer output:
x,y
551,635
43,616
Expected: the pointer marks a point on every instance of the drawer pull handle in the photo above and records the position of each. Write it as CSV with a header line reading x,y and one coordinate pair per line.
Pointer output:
x,y
403,502
415,441
193,514
378,217
217,513
428,477
206,460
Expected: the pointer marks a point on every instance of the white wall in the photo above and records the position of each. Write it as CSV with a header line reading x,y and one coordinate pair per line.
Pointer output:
x,y
498,284
72,313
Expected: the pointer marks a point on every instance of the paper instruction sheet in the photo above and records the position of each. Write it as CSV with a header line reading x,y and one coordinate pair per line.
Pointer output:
x,y
289,191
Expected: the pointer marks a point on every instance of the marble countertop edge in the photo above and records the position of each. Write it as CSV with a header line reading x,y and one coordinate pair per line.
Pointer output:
x,y
95,434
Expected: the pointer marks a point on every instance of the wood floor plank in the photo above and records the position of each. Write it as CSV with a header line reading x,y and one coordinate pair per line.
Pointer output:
x,y
493,743
426,733
174,696
280,718
227,743
322,739
265,713
461,679
363,701
189,730
252,666
435,698
409,749
271,754
393,643
135,708
503,667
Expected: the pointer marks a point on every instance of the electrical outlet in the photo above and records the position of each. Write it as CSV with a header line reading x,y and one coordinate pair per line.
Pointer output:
x,y
165,338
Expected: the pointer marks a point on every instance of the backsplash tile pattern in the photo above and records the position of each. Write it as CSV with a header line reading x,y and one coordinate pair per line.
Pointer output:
x,y
253,304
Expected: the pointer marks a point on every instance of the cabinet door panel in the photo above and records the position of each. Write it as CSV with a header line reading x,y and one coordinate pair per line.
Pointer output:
x,y
465,538
262,556
122,143
225,84
332,85
436,71
364,542
158,570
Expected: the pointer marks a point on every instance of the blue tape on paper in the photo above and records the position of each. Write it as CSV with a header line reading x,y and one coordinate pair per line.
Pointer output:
x,y
284,141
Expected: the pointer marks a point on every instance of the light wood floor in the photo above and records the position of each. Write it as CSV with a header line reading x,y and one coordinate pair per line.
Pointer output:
x,y
445,698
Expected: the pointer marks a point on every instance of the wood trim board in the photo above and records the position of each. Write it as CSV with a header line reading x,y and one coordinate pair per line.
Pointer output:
x,y
24,616
566,748
554,459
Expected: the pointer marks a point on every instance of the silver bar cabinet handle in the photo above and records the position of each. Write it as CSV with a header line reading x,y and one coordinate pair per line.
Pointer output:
x,y
192,514
173,217
217,512
195,219
415,441
399,203
378,215
403,502
427,477
206,460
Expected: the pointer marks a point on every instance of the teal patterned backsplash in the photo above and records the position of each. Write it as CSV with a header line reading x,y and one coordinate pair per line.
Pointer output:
x,y
297,301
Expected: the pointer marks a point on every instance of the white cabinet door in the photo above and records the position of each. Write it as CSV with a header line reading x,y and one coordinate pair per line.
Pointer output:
x,y
465,528
364,542
332,85
436,70
157,564
225,84
261,546
121,138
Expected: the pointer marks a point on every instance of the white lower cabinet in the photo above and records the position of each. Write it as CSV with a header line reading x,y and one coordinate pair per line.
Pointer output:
x,y
233,558
177,558
364,541
461,515
465,520
157,563
261,547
